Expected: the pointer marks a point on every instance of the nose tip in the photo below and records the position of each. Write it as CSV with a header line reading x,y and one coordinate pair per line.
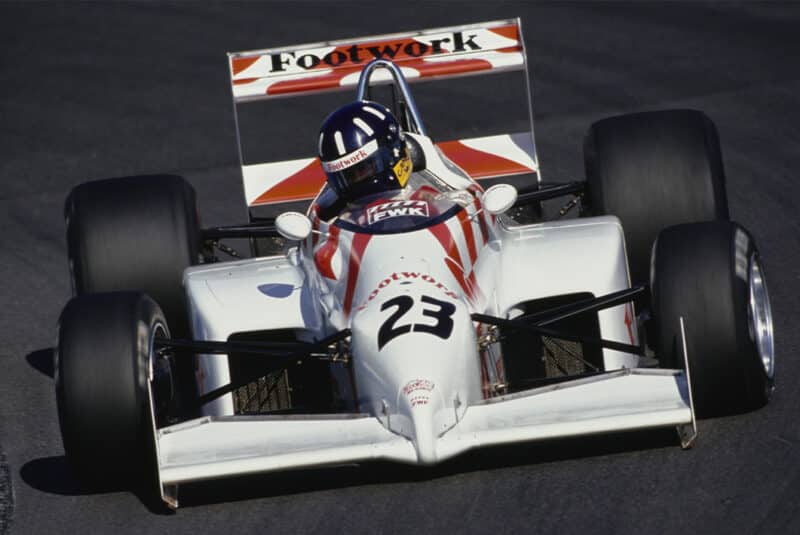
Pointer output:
x,y
424,436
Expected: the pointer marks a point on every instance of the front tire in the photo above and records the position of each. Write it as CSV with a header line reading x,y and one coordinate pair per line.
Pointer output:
x,y
104,362
711,275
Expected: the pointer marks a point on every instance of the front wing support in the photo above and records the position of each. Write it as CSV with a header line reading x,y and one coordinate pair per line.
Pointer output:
x,y
687,432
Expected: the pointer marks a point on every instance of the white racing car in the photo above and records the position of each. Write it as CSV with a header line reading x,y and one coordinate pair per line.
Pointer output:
x,y
419,322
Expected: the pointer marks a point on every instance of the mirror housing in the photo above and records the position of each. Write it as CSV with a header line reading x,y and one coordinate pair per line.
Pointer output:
x,y
499,198
293,226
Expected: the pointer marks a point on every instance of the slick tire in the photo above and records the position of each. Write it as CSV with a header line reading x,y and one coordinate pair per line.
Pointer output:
x,y
135,233
653,170
138,233
711,275
102,361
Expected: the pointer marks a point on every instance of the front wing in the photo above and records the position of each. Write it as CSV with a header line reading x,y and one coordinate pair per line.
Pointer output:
x,y
628,399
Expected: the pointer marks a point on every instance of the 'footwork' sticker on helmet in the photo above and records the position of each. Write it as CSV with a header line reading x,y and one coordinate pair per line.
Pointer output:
x,y
387,210
349,160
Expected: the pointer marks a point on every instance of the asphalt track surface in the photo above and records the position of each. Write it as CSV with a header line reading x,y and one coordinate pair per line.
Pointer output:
x,y
91,91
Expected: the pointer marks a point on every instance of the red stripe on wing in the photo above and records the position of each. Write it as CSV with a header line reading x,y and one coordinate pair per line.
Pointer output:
x,y
333,79
509,32
330,80
429,69
480,164
301,186
240,64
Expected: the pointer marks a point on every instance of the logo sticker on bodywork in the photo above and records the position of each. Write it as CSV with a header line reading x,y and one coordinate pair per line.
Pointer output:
x,y
405,277
402,170
418,391
388,210
279,291
457,42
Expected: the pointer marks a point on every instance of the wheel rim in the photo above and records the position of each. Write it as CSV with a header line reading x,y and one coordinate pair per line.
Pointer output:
x,y
761,317
154,379
158,331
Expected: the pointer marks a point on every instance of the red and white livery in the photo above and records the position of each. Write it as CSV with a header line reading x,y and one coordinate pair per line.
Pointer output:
x,y
407,274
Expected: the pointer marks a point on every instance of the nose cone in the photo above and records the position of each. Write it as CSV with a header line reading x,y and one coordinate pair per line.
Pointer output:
x,y
424,437
414,358
424,416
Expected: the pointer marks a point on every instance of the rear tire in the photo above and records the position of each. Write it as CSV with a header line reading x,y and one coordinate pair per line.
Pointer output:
x,y
102,369
710,274
653,170
135,233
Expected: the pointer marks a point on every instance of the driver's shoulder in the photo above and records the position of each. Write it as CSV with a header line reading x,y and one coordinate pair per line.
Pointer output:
x,y
329,205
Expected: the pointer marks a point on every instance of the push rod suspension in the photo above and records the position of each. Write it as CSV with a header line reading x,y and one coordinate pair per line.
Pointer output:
x,y
545,192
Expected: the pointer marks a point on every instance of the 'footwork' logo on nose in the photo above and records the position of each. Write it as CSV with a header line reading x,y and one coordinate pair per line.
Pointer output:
x,y
418,391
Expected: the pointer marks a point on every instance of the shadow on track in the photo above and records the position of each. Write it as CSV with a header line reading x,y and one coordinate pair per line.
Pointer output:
x,y
379,473
42,361
54,475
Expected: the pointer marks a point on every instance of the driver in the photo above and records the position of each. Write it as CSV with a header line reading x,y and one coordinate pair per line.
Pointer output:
x,y
363,152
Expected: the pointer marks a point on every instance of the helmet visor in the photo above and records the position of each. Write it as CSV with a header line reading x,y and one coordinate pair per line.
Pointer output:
x,y
374,167
364,170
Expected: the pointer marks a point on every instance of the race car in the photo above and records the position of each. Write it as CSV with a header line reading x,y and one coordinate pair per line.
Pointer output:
x,y
457,312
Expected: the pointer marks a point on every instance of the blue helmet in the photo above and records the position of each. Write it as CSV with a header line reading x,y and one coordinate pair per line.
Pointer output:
x,y
363,151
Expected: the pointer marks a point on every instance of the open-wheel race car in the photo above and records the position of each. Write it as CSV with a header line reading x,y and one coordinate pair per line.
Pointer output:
x,y
418,322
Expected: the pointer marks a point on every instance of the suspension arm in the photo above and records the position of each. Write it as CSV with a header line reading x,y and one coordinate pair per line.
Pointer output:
x,y
536,322
545,192
277,349
592,304
282,354
553,333
261,229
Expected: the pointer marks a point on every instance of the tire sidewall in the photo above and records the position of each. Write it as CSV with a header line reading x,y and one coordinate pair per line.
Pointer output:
x,y
758,383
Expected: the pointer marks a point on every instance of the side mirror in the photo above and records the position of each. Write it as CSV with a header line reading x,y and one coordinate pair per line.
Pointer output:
x,y
293,226
499,198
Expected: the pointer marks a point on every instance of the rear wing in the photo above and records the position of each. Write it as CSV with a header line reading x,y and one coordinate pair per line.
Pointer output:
x,y
271,75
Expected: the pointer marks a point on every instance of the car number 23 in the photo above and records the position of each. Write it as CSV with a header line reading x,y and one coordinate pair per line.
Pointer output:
x,y
440,311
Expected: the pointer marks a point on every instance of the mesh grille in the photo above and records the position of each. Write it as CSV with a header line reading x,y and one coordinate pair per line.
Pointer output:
x,y
530,359
562,357
267,393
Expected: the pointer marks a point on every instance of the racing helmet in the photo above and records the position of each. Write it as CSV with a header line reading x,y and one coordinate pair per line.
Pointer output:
x,y
363,151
